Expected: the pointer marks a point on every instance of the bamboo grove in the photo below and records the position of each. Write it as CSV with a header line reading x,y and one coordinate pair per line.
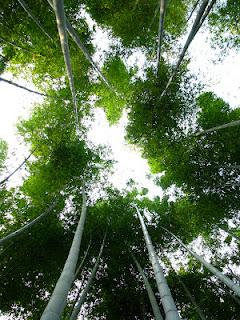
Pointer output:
x,y
72,245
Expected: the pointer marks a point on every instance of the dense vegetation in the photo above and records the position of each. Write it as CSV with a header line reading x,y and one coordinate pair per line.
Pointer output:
x,y
66,204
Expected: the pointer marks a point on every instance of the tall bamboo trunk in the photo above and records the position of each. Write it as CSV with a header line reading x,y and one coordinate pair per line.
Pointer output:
x,y
58,300
151,296
61,25
160,31
233,286
79,303
168,303
81,46
27,226
190,38
223,126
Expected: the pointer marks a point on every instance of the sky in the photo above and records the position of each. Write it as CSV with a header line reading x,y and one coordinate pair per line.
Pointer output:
x,y
15,104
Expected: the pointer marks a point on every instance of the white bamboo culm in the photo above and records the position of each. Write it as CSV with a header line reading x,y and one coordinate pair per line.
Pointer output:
x,y
79,303
61,24
223,126
27,226
151,296
168,303
58,300
228,282
84,50
190,38
31,15
206,12
160,30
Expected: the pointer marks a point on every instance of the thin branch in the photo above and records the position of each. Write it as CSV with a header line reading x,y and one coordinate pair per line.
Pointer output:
x,y
27,226
154,16
83,259
13,44
19,167
192,299
31,15
22,87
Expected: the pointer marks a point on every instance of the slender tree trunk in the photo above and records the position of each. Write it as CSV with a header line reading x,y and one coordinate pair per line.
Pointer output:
x,y
168,303
190,38
27,226
223,126
79,303
160,31
83,260
193,9
61,24
13,44
22,87
227,292
31,15
58,300
154,16
208,9
151,296
19,167
192,299
135,5
233,286
188,293
81,46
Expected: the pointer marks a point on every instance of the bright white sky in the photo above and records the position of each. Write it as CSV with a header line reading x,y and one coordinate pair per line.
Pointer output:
x,y
222,78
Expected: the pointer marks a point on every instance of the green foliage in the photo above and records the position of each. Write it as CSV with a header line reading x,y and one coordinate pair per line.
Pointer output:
x,y
132,20
3,153
154,122
35,55
203,169
114,101
224,24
